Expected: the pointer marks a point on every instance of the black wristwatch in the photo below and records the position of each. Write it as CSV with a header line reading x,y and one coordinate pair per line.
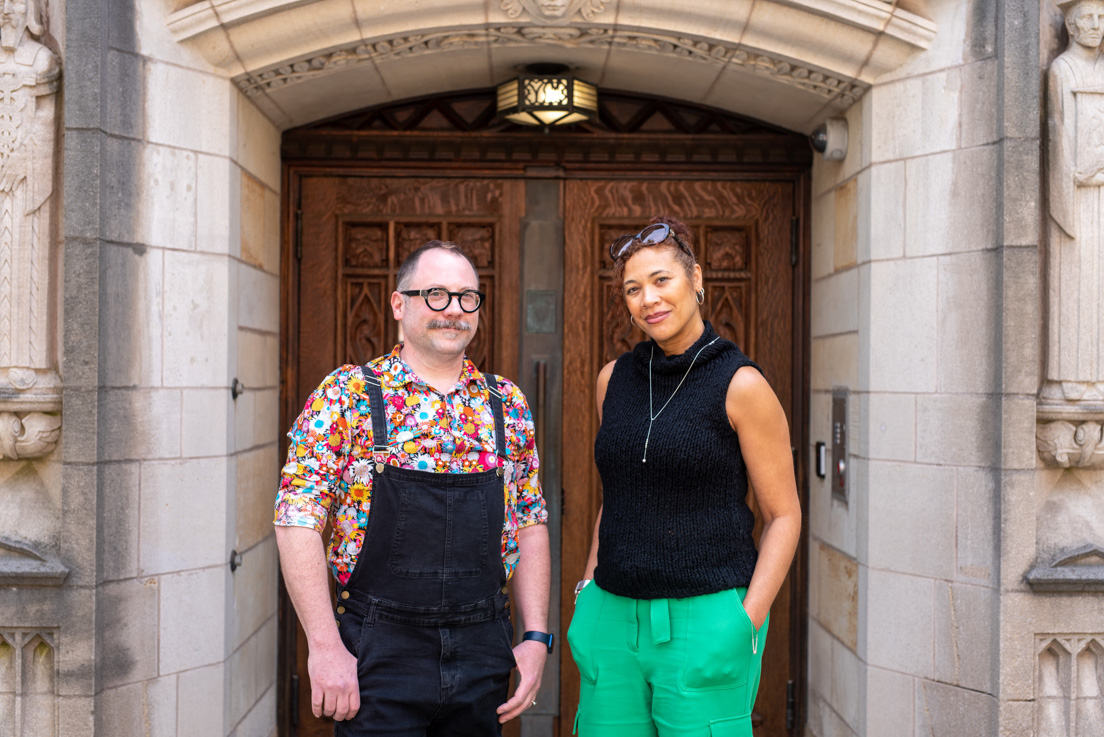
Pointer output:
x,y
546,637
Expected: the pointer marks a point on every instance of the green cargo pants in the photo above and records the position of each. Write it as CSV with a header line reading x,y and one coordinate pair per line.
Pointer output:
x,y
668,667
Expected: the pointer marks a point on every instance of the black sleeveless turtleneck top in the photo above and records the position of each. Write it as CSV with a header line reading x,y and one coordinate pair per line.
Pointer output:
x,y
678,525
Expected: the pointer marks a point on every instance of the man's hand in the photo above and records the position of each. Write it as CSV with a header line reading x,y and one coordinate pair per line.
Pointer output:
x,y
335,690
530,656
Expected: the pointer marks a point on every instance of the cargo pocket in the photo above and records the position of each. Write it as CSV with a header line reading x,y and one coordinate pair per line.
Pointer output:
x,y
735,727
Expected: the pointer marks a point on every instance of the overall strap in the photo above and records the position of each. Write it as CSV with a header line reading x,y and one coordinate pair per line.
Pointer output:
x,y
379,417
500,423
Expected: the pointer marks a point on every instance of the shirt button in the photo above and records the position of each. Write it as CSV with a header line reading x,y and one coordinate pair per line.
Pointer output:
x,y
344,594
341,610
505,590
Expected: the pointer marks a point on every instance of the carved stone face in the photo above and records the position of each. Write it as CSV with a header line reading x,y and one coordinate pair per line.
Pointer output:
x,y
1085,22
553,8
13,21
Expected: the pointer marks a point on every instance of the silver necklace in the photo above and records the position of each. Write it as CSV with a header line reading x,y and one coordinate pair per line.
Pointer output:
x,y
652,417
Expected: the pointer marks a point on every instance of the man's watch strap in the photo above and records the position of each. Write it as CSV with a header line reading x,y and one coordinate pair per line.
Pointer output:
x,y
546,637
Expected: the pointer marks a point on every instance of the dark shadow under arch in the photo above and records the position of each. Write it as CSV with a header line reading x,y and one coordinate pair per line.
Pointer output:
x,y
463,127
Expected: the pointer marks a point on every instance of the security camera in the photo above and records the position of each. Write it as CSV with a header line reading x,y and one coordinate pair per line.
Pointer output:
x,y
830,139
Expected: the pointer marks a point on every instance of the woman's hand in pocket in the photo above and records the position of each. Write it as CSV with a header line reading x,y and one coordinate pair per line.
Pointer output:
x,y
756,613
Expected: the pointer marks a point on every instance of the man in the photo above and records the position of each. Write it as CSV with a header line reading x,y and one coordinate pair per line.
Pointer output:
x,y
426,469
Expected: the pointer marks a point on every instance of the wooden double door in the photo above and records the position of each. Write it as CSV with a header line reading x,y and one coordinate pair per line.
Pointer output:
x,y
351,232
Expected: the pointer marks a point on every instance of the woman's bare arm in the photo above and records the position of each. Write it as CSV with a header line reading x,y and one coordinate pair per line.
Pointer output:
x,y
759,421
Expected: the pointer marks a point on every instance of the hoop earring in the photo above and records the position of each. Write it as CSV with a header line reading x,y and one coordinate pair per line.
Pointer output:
x,y
633,322
700,295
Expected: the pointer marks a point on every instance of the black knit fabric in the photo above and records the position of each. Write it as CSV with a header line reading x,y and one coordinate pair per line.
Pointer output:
x,y
678,525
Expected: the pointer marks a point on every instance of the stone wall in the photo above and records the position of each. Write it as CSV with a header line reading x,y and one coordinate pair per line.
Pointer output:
x,y
907,317
170,286
928,306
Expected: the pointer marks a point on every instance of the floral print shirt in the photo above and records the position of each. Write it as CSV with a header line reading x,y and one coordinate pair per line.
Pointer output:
x,y
328,474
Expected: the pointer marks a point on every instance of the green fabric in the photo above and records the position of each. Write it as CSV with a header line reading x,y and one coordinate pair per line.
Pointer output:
x,y
665,667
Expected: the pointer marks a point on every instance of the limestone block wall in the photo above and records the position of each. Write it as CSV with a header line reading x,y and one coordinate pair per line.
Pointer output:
x,y
1051,677
170,281
907,316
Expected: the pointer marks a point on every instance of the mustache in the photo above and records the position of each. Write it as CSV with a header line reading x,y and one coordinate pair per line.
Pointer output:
x,y
448,325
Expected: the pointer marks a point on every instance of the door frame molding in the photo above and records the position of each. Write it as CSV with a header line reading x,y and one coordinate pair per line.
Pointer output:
x,y
699,157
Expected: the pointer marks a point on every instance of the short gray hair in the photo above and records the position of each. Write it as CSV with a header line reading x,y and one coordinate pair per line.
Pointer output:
x,y
410,263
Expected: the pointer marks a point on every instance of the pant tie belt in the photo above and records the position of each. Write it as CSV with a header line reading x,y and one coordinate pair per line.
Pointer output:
x,y
661,621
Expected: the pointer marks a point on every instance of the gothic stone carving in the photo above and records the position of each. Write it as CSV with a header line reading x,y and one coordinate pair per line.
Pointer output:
x,y
1069,683
1081,569
1071,403
554,11
22,565
29,387
28,682
31,435
841,93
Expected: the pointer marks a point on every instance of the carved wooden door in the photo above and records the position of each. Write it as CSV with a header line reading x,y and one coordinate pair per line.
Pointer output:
x,y
355,231
743,236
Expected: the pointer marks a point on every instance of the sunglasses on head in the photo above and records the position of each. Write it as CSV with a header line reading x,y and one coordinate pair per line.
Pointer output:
x,y
652,235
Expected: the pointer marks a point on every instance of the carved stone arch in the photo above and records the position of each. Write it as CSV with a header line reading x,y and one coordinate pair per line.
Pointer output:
x,y
791,62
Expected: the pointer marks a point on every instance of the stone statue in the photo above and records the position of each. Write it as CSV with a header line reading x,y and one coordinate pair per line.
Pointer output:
x,y
28,85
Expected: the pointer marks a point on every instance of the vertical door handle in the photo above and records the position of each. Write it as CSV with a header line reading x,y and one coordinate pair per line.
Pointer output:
x,y
541,368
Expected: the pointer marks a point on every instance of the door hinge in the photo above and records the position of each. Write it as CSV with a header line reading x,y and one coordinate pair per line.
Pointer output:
x,y
299,234
791,705
293,700
795,238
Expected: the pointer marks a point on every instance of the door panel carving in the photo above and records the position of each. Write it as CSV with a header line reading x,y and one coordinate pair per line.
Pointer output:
x,y
742,234
366,321
365,245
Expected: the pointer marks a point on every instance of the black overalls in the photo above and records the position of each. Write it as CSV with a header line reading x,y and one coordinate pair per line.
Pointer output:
x,y
425,610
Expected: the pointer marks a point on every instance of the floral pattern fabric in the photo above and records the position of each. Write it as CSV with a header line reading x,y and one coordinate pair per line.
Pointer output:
x,y
328,474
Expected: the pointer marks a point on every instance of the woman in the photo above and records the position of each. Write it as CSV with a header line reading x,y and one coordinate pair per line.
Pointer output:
x,y
671,615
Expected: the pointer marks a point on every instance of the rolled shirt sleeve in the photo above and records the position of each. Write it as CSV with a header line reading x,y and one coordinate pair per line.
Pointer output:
x,y
316,457
531,507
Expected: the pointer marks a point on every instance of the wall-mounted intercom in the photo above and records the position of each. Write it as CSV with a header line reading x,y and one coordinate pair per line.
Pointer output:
x,y
839,444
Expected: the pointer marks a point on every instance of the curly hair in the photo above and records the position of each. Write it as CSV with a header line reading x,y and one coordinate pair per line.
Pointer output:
x,y
619,317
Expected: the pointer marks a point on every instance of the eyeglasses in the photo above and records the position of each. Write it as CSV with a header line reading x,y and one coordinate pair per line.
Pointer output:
x,y
438,299
653,235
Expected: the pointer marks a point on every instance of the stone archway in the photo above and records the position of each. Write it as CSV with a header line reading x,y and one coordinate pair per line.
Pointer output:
x,y
790,63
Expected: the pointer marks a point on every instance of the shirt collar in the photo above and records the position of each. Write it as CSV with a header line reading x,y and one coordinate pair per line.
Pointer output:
x,y
397,374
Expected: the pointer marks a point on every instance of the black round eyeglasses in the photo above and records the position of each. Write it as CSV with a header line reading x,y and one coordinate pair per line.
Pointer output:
x,y
438,299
